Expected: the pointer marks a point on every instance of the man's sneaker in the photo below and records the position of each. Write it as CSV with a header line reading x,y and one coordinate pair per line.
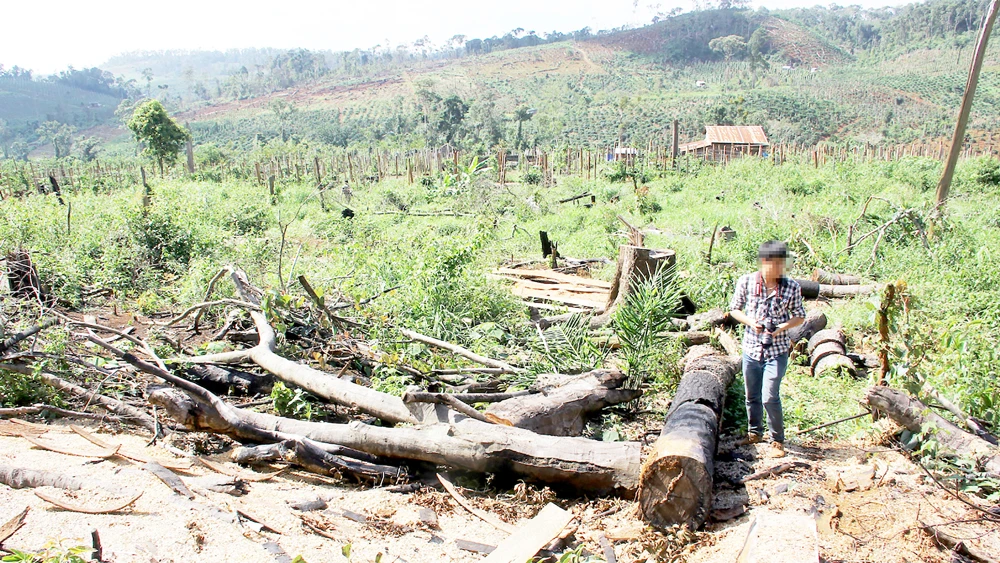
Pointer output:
x,y
749,439
777,450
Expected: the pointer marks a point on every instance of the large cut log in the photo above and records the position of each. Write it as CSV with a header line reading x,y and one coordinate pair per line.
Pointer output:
x,y
830,278
562,410
916,417
675,485
707,320
815,322
812,290
828,352
324,385
586,465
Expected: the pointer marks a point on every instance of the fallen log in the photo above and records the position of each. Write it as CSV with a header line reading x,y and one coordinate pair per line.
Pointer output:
x,y
303,454
226,381
815,322
830,278
916,417
21,478
675,484
812,290
562,410
828,352
587,465
707,320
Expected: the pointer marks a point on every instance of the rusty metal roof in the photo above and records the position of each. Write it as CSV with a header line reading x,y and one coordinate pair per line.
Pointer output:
x,y
739,135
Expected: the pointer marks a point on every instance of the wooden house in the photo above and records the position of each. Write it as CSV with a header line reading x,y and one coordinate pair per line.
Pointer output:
x,y
724,142
625,154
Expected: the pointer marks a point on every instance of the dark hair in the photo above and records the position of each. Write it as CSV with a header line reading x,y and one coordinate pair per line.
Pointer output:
x,y
772,249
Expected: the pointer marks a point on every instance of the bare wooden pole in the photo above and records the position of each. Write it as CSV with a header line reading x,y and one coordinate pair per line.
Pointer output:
x,y
944,186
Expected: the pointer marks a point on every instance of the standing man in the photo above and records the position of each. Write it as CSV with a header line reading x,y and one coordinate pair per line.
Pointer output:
x,y
769,304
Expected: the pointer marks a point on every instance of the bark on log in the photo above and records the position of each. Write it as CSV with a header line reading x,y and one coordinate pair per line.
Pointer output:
x,y
812,290
830,278
21,478
828,351
321,384
815,322
586,465
915,416
226,381
563,410
315,460
824,336
675,485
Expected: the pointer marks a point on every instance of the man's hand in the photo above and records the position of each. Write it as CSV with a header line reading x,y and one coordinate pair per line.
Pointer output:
x,y
758,328
792,323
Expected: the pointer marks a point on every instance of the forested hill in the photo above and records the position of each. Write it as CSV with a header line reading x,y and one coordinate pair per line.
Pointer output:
x,y
838,74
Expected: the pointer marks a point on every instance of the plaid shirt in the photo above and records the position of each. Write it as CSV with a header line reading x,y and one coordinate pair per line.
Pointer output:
x,y
780,305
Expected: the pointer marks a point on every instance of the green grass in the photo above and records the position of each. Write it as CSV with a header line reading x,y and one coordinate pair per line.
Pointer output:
x,y
163,259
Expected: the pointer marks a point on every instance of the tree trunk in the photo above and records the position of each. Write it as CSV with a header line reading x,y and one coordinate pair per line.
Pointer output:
x,y
585,465
635,264
830,278
916,417
828,351
812,290
675,485
563,410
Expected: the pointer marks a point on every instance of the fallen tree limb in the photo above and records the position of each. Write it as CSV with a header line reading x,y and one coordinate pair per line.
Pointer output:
x,y
950,542
562,410
458,350
449,400
39,409
24,335
108,403
381,405
227,381
315,460
916,417
464,503
675,486
21,478
209,304
470,398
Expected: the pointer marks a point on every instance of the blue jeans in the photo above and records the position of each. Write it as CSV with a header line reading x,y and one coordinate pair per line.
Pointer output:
x,y
763,383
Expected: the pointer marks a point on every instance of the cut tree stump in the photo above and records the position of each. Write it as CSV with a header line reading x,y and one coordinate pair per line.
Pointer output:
x,y
634,265
915,416
828,352
675,484
562,410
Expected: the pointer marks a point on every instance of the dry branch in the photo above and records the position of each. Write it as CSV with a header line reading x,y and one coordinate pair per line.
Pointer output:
x,y
957,545
916,417
13,525
301,453
458,350
24,335
111,506
464,503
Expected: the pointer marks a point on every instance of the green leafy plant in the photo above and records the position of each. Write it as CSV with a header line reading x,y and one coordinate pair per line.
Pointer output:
x,y
638,321
291,403
53,552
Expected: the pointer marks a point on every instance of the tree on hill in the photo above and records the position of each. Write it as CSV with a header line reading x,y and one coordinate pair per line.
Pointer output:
x,y
283,110
451,117
59,134
161,135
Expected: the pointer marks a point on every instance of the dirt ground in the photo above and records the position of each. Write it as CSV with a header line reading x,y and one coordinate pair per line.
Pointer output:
x,y
877,522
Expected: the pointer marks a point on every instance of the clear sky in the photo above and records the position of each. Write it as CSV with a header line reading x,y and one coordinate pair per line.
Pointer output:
x,y
46,36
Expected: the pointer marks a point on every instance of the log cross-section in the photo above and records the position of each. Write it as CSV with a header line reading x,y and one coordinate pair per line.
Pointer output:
x,y
675,483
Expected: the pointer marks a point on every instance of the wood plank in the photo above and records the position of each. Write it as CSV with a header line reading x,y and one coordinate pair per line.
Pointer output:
x,y
549,274
532,536
573,288
559,297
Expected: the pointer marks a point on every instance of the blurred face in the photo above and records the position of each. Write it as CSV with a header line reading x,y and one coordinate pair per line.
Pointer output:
x,y
772,268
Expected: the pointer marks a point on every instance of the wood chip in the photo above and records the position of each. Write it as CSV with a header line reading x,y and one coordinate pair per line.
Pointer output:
x,y
168,477
13,525
429,518
474,547
532,536
245,513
